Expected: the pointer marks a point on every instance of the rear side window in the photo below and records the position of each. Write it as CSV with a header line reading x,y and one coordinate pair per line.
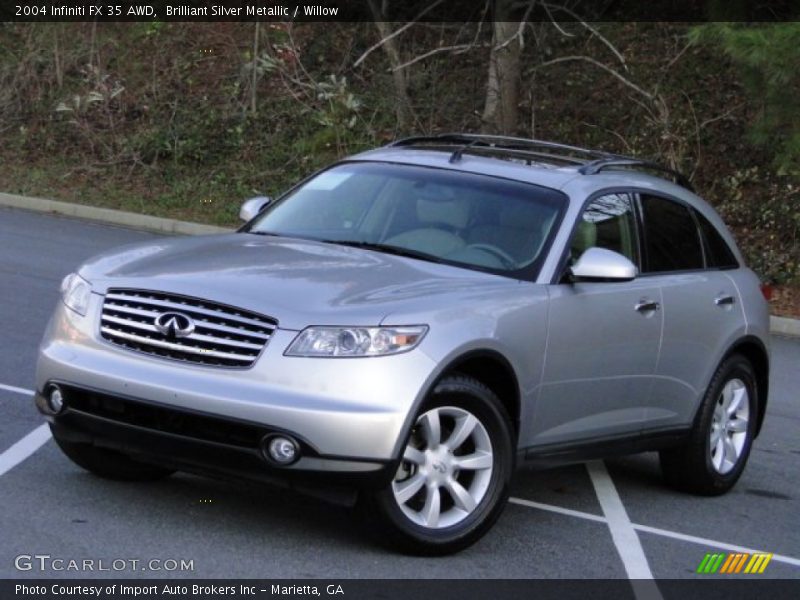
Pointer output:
x,y
718,253
671,239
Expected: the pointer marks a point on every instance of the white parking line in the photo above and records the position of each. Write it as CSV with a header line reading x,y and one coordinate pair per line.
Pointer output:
x,y
16,390
715,544
692,539
623,534
24,448
27,445
557,509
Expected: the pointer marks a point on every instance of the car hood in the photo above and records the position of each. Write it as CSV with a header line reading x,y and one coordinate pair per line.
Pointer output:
x,y
298,282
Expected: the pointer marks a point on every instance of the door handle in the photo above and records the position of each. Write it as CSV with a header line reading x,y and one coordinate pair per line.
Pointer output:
x,y
646,305
724,300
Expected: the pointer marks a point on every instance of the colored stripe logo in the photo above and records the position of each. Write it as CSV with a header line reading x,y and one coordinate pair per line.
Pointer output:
x,y
733,563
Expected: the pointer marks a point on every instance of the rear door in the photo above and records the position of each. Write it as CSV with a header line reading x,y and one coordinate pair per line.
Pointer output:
x,y
683,256
603,339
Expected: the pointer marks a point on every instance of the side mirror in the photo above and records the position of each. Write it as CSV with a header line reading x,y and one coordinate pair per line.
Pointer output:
x,y
600,264
253,206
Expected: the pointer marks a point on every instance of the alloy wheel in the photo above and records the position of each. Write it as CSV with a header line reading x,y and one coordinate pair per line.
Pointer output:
x,y
729,426
446,468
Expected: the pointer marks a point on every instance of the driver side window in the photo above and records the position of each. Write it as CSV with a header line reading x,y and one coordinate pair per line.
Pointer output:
x,y
607,222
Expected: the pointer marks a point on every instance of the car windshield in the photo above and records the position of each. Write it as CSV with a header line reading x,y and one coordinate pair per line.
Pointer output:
x,y
465,219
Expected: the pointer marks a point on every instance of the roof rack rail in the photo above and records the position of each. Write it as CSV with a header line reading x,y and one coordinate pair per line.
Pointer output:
x,y
501,142
529,155
591,161
604,163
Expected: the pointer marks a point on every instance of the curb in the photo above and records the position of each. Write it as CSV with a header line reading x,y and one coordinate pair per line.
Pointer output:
x,y
777,325
784,326
109,215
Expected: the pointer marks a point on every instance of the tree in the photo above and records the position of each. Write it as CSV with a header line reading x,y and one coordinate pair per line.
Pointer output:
x,y
402,102
767,56
501,108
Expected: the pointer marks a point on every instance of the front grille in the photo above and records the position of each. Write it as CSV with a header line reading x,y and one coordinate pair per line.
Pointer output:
x,y
222,336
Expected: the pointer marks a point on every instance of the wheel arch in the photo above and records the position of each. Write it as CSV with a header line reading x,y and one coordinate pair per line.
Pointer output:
x,y
486,365
493,370
754,350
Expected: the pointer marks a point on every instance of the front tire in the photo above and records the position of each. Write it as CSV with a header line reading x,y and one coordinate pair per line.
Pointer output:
x,y
107,463
452,482
712,460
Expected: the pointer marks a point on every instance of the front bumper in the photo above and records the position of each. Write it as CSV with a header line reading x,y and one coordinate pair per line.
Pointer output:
x,y
197,443
349,414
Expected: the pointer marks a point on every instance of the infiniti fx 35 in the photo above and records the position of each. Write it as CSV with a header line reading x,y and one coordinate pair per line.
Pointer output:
x,y
413,322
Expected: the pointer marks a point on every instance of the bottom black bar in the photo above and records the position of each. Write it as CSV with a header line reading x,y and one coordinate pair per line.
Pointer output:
x,y
398,589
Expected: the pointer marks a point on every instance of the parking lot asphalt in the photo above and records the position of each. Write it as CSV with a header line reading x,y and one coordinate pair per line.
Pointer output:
x,y
562,523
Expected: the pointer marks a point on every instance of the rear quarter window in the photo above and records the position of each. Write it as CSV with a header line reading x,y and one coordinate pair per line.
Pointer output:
x,y
718,253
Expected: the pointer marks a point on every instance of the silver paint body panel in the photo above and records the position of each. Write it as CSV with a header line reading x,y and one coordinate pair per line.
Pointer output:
x,y
587,363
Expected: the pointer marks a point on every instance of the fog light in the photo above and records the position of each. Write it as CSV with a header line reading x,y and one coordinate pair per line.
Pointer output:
x,y
56,400
282,450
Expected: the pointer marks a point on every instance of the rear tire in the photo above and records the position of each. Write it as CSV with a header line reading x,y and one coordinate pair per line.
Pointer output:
x,y
713,458
452,483
109,464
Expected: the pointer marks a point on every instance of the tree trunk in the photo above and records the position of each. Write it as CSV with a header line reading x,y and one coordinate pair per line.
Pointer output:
x,y
402,101
254,78
500,113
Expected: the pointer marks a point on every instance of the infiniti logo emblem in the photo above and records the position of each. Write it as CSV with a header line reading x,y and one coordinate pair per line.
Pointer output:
x,y
174,324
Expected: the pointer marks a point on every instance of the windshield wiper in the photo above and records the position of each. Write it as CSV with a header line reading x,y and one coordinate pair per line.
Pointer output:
x,y
388,249
269,233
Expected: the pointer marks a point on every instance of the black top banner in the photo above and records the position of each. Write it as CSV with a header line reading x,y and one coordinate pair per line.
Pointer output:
x,y
399,10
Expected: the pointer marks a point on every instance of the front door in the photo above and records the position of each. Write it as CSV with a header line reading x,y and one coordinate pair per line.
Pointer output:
x,y
603,339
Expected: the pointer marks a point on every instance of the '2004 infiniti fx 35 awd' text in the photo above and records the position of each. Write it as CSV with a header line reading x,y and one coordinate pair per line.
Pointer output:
x,y
413,322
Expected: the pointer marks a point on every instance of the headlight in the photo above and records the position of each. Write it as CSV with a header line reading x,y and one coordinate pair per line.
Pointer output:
x,y
356,341
75,292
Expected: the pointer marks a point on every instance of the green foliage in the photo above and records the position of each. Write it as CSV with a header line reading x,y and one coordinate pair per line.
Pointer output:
x,y
768,56
159,117
768,225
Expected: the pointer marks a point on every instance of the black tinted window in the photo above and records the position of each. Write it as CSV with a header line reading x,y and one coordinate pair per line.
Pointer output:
x,y
718,253
672,241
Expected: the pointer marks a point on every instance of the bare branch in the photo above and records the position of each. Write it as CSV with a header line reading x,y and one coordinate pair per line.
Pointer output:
x,y
520,29
677,56
696,135
460,49
480,22
560,29
722,116
628,148
296,52
594,31
606,68
395,33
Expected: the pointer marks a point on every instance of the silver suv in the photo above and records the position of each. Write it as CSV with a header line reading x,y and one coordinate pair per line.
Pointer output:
x,y
411,323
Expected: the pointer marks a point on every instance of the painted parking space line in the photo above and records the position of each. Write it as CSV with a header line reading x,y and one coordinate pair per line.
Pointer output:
x,y
16,390
27,445
558,509
24,448
715,544
692,539
624,536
